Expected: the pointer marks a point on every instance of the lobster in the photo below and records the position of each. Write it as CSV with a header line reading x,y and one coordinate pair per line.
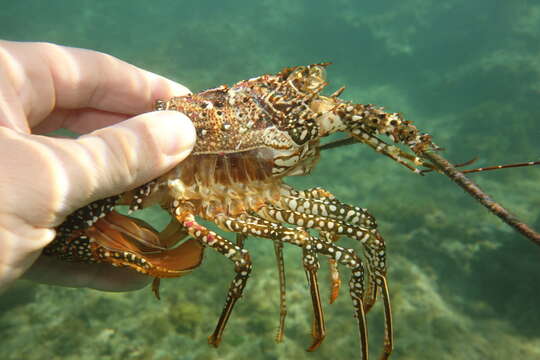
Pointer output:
x,y
251,136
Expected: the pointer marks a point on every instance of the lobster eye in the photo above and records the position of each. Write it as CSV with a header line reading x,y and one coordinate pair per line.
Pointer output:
x,y
318,72
308,78
298,73
317,75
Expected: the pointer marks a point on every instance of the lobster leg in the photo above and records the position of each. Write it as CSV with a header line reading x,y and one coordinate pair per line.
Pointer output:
x,y
388,330
318,329
330,216
240,238
320,210
240,257
313,207
253,225
278,249
322,198
335,281
320,193
371,292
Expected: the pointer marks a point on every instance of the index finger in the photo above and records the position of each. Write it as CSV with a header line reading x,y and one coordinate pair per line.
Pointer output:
x,y
48,77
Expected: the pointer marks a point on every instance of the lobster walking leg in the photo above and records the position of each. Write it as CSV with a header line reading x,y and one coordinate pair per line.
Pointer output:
x,y
326,204
388,328
330,216
320,193
278,249
318,328
335,281
333,219
240,257
254,225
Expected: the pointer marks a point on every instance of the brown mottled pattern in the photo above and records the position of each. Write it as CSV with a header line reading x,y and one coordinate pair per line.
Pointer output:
x,y
249,137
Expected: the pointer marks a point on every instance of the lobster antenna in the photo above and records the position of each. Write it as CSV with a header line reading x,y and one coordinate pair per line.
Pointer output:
x,y
468,185
497,167
338,143
474,190
350,140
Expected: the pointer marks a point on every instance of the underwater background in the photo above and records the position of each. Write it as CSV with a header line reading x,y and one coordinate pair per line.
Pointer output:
x,y
463,285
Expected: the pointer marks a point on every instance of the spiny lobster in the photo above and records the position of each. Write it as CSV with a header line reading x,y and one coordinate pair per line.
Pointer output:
x,y
250,137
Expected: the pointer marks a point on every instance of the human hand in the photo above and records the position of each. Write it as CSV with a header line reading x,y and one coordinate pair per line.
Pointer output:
x,y
44,87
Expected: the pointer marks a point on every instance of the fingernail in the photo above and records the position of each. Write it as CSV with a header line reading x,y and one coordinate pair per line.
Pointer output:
x,y
175,134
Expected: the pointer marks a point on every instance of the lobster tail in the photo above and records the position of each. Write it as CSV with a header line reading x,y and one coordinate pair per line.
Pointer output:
x,y
124,241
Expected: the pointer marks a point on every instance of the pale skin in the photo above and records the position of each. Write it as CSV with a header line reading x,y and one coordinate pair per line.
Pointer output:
x,y
44,87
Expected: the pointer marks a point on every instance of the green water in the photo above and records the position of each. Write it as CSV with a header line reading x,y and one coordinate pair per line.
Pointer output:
x,y
463,285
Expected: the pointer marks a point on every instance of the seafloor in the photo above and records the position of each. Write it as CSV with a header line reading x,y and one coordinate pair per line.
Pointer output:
x,y
463,285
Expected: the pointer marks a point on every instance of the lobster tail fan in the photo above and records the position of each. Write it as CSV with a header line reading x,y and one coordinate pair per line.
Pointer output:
x,y
178,261
138,245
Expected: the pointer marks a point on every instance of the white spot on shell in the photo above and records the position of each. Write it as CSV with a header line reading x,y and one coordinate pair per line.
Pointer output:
x,y
293,204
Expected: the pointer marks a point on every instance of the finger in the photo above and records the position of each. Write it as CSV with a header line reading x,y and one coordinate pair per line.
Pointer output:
x,y
12,112
49,270
136,151
47,76
20,245
85,78
80,121
70,173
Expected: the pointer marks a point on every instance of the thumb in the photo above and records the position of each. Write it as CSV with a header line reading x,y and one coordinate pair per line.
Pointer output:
x,y
44,179
130,153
